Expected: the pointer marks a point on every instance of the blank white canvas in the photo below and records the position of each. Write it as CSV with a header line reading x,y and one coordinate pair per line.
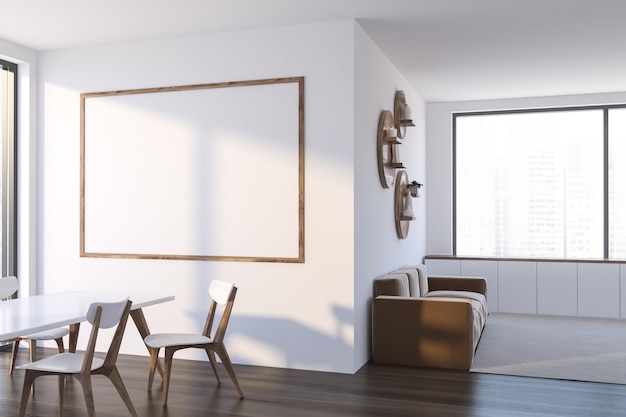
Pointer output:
x,y
207,172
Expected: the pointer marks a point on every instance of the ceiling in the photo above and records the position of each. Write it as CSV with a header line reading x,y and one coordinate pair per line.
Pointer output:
x,y
449,50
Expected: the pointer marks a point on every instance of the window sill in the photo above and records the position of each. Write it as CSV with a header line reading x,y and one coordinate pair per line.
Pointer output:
x,y
508,259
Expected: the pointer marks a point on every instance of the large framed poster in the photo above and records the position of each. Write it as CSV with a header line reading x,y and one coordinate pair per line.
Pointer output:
x,y
200,172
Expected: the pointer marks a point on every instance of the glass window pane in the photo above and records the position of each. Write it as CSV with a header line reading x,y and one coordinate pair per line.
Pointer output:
x,y
617,183
7,168
530,184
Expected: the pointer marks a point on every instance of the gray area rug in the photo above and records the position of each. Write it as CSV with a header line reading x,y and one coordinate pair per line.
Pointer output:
x,y
580,349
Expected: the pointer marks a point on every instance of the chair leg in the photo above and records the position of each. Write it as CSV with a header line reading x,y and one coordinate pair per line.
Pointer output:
x,y
85,381
154,359
29,377
61,384
61,350
221,351
60,344
213,362
32,349
116,379
169,354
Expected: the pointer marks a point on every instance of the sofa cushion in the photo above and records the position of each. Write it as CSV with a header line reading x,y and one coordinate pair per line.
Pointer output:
x,y
479,315
478,297
478,302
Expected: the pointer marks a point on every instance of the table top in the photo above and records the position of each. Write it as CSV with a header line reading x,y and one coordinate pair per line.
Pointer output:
x,y
26,315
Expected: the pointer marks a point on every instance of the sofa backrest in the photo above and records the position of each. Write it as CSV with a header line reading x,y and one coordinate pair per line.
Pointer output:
x,y
413,279
418,279
392,284
422,278
408,281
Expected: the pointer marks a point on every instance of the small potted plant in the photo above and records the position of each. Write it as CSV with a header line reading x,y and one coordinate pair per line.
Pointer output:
x,y
413,187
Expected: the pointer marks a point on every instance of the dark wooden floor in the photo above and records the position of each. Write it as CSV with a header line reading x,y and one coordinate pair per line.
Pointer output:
x,y
374,391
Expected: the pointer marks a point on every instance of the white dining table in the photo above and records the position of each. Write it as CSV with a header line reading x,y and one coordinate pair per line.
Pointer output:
x,y
25,315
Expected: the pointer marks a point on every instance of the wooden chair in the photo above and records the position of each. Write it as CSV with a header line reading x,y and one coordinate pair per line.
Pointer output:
x,y
83,365
222,293
8,287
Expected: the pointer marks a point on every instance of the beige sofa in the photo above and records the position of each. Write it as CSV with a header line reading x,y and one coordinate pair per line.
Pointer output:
x,y
431,321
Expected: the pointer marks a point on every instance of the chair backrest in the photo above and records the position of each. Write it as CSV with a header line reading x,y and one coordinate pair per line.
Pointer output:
x,y
106,315
111,313
8,287
222,293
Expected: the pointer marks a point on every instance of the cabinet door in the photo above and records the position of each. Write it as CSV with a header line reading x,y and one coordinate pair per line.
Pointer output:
x,y
517,285
598,290
557,288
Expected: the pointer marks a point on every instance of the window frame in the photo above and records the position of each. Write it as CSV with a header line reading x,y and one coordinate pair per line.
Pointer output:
x,y
605,109
9,178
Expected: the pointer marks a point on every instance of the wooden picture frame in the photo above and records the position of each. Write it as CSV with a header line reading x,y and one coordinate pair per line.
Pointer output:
x,y
197,172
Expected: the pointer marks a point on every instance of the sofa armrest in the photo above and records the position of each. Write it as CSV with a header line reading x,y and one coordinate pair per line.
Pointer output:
x,y
392,284
473,284
423,332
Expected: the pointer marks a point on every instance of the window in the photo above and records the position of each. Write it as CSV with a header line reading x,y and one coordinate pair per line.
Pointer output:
x,y
8,105
541,183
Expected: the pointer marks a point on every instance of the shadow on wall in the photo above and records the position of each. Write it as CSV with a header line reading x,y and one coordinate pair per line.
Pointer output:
x,y
286,343
271,341
278,342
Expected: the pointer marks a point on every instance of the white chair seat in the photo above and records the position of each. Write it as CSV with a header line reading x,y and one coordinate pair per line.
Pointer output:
x,y
70,363
48,334
162,340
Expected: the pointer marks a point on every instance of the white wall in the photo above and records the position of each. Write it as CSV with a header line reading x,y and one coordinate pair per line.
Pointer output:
x,y
377,248
286,315
314,315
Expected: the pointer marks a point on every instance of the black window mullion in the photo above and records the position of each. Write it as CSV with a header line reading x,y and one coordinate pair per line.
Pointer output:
x,y
606,183
454,161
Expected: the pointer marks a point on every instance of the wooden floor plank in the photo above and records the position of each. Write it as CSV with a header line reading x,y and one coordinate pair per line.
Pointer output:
x,y
375,390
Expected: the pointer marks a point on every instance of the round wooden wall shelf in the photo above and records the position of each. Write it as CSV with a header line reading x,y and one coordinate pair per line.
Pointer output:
x,y
401,193
387,151
401,122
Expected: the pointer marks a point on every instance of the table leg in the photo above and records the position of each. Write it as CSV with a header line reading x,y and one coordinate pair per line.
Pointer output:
x,y
142,326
